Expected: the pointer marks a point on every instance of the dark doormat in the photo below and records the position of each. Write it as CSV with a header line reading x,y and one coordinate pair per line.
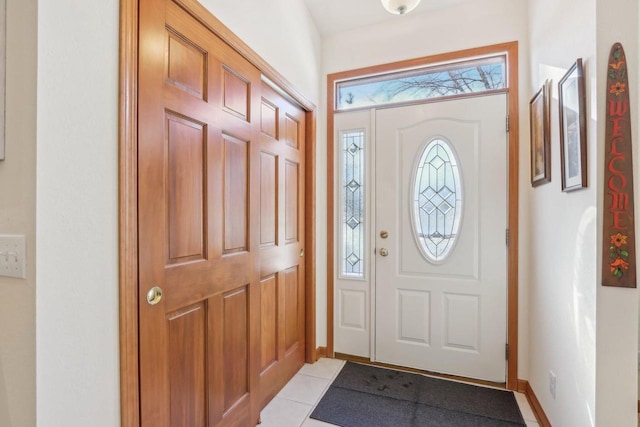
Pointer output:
x,y
368,396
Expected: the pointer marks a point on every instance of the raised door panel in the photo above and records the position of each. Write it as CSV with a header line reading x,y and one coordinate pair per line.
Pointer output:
x,y
185,178
236,178
268,322
186,65
292,182
269,118
235,347
236,94
187,370
291,308
268,199
292,127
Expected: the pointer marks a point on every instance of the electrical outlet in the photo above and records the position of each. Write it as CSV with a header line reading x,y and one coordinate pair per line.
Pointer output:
x,y
12,256
552,384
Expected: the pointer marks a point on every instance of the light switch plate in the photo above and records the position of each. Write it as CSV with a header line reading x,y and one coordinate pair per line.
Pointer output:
x,y
12,256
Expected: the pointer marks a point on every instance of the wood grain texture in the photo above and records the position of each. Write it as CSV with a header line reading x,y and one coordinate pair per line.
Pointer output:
x,y
511,51
236,180
187,66
187,329
291,201
282,259
310,236
618,229
186,147
180,86
235,347
268,322
236,94
128,214
268,198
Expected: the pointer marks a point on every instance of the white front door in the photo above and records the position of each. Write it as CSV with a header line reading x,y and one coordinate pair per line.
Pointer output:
x,y
441,271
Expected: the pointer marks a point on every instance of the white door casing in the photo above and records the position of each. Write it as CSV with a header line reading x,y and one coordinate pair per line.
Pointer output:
x,y
449,316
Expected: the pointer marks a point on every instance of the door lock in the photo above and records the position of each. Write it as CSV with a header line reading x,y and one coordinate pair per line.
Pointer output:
x,y
384,252
384,234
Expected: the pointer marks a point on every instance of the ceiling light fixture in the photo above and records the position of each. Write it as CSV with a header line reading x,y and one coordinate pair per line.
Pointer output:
x,y
400,7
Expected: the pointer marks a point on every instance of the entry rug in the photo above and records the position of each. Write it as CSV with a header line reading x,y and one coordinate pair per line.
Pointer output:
x,y
368,396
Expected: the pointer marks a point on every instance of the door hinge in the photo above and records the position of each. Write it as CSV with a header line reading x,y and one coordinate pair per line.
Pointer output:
x,y
507,237
506,352
508,124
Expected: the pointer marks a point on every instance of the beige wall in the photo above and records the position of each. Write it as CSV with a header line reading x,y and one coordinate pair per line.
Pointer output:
x,y
562,297
17,216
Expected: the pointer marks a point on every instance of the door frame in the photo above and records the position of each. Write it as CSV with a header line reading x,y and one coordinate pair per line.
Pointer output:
x,y
511,50
128,193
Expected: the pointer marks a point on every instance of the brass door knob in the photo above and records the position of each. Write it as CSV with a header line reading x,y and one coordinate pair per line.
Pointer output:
x,y
154,295
384,252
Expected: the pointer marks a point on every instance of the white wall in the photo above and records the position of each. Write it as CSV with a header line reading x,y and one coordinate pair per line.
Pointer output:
x,y
562,298
17,216
617,309
468,25
77,266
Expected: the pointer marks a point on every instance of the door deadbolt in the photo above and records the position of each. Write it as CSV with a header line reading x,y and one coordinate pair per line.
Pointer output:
x,y
384,234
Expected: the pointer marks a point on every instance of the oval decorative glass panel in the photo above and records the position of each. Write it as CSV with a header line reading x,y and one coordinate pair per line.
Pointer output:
x,y
437,200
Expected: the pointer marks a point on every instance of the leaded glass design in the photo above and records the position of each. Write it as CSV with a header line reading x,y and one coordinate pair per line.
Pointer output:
x,y
437,200
352,204
475,76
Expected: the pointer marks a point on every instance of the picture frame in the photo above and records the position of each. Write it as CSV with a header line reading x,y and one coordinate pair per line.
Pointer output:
x,y
573,128
539,116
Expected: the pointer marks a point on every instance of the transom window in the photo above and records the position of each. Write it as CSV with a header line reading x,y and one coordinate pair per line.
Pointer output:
x,y
466,77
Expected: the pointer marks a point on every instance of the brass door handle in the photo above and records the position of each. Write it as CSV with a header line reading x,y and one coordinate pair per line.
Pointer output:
x,y
154,295
384,252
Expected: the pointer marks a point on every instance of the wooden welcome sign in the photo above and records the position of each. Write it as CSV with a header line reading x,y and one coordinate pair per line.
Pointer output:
x,y
618,246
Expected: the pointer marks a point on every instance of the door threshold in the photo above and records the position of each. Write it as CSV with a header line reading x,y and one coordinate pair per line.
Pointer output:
x,y
367,361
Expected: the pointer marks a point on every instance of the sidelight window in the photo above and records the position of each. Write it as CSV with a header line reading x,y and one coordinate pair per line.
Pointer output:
x,y
352,203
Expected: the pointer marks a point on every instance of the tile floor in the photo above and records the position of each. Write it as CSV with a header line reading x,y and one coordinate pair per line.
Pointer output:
x,y
295,402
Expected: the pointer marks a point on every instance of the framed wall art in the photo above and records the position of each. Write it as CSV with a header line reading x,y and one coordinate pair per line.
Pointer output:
x,y
540,136
573,128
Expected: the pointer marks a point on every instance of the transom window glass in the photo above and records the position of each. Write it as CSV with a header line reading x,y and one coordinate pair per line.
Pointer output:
x,y
437,200
352,204
459,78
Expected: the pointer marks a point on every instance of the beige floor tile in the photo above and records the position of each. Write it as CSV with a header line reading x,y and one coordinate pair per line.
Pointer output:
x,y
323,368
305,389
284,413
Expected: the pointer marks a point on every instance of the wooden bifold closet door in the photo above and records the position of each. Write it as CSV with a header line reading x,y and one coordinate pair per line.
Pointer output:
x,y
221,228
